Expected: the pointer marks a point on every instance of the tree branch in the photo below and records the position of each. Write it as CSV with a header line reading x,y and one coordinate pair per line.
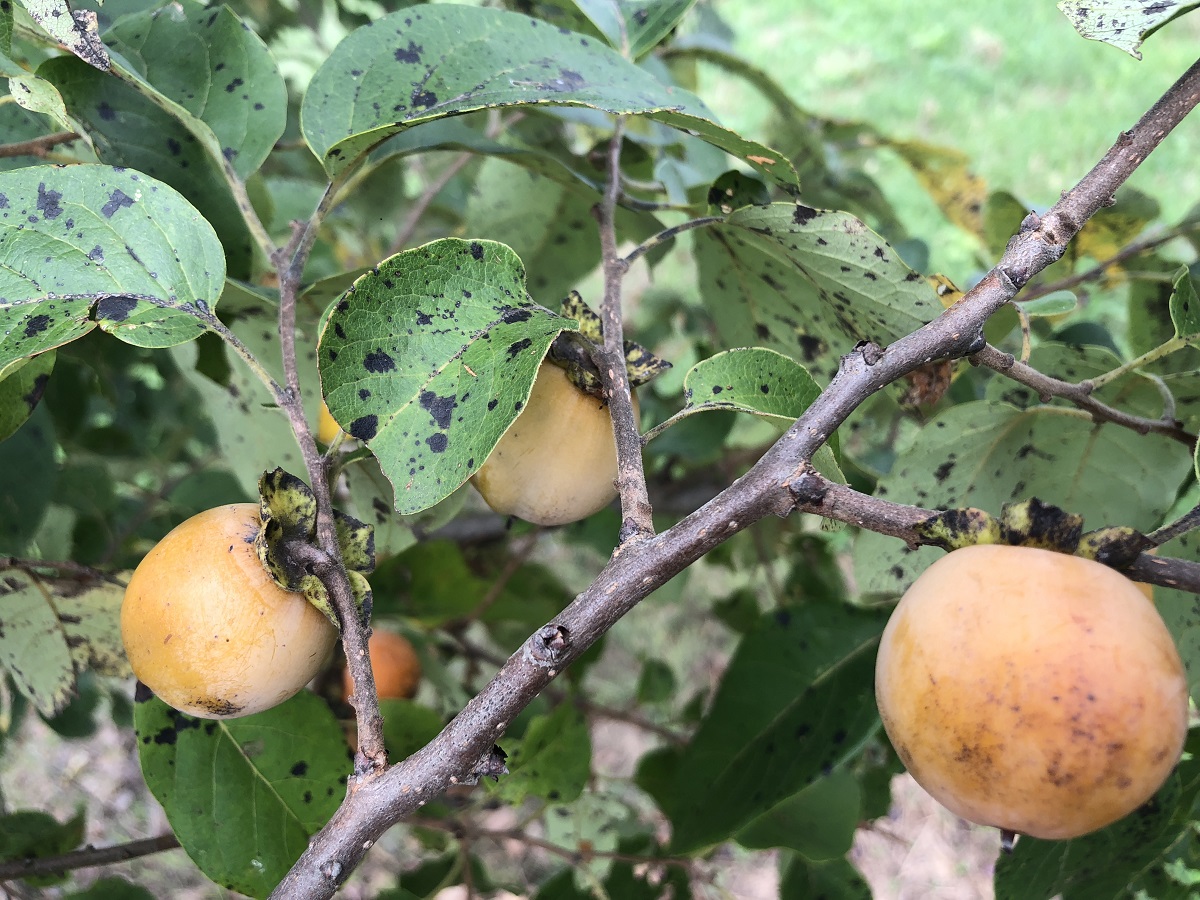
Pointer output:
x,y
382,799
636,513
1080,395
86,858
39,146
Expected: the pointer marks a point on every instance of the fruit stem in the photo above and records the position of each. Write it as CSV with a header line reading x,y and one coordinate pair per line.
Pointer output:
x,y
636,512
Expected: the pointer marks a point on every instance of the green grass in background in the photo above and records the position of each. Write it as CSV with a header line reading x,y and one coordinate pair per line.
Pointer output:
x,y
1011,84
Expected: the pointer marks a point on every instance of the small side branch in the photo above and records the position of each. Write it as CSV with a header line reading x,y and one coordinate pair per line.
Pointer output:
x,y
86,858
636,513
39,146
1080,395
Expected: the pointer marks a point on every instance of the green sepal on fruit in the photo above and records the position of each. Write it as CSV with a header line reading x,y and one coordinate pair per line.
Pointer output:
x,y
571,350
288,509
957,528
1032,523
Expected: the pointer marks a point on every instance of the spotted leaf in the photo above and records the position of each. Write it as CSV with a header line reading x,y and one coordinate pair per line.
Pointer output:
x,y
91,245
809,283
430,357
428,62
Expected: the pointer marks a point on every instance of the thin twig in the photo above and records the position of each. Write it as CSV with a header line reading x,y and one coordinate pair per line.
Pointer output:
x,y
668,234
520,556
63,567
39,146
1079,394
1098,271
1189,521
378,802
289,264
636,514
417,210
86,858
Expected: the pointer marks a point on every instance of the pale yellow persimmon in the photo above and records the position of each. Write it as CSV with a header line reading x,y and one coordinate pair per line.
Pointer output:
x,y
557,463
1034,691
209,631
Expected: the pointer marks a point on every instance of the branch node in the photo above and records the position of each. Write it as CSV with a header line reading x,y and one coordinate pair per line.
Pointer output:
x,y
806,486
870,352
551,644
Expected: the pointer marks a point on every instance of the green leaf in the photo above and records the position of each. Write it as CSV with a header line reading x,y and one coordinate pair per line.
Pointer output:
x,y
1104,864
593,823
1053,304
553,760
29,834
1122,23
253,434
836,879
547,224
208,63
6,28
90,245
21,389
1185,307
416,66
89,614
642,22
25,500
807,283
752,380
76,31
429,358
33,642
796,703
129,130
819,822
244,795
987,453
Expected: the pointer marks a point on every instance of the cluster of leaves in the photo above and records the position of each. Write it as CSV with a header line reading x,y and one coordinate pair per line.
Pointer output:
x,y
434,171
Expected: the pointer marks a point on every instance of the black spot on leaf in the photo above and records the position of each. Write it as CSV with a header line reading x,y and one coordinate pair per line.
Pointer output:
x,y
378,362
477,250
437,442
717,389
36,325
47,202
513,314
106,112
423,99
299,769
117,200
234,85
516,347
35,394
440,408
115,309
364,427
96,254
409,54
804,214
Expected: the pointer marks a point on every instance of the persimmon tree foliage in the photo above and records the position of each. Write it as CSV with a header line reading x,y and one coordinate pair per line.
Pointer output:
x,y
223,224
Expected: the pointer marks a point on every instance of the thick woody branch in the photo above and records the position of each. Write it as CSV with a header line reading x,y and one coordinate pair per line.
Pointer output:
x,y
380,800
636,520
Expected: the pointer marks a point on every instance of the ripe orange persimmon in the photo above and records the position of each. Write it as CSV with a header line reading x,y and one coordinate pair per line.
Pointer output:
x,y
209,631
557,463
396,666
1030,690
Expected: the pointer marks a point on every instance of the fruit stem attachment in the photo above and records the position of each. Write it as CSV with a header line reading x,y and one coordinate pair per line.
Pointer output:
x,y
636,512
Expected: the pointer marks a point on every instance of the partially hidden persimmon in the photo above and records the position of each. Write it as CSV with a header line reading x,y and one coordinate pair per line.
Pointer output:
x,y
557,463
394,662
209,631
1030,690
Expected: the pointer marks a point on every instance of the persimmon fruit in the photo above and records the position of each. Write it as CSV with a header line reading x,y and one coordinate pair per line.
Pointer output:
x,y
557,463
396,666
1031,690
327,427
209,631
